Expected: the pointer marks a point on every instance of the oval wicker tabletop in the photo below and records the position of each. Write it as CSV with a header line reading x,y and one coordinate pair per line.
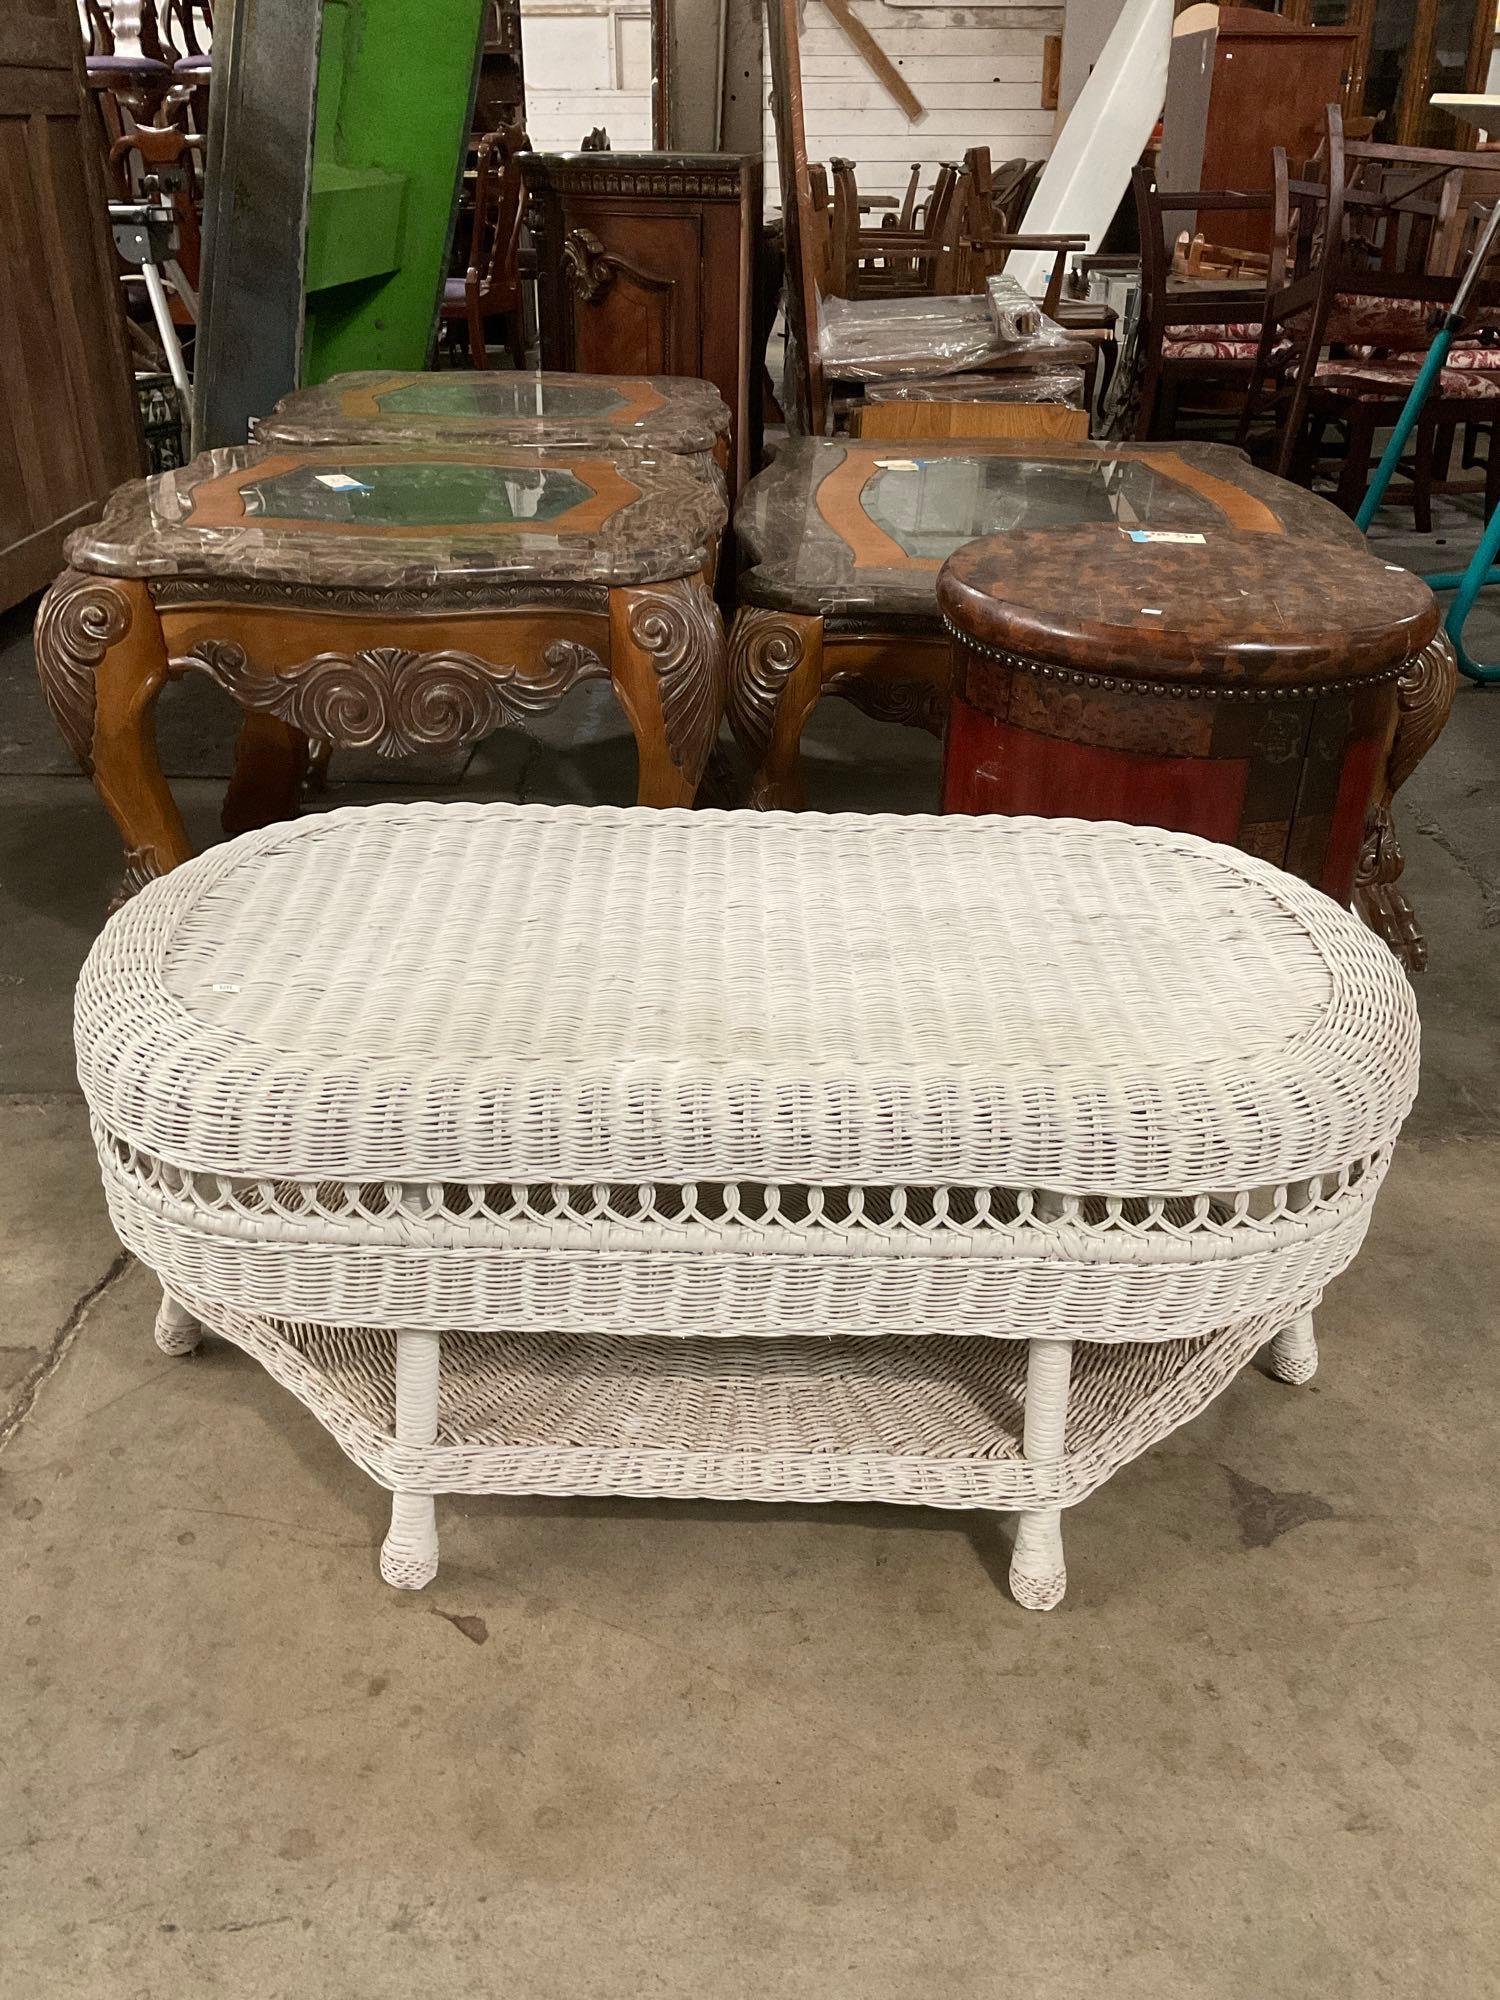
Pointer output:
x,y
526,994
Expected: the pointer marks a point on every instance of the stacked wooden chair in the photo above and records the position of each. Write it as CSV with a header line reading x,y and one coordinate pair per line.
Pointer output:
x,y
1367,248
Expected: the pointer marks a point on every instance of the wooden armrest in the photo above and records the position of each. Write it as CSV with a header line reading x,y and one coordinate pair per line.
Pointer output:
x,y
1021,240
898,243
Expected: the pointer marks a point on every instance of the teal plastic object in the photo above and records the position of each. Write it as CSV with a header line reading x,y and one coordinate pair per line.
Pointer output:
x,y
1481,571
395,96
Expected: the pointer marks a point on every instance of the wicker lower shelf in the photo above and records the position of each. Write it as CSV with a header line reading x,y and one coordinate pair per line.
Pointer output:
x,y
933,1421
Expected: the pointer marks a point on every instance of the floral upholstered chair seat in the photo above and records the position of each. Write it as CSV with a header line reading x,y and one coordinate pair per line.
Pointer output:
x,y
1471,373
1227,340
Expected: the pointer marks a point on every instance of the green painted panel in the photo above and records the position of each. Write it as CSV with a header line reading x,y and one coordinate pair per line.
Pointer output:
x,y
395,86
354,225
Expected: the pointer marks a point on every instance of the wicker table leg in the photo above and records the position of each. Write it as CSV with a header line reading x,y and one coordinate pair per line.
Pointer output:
x,y
177,1330
409,1554
1038,1576
1294,1352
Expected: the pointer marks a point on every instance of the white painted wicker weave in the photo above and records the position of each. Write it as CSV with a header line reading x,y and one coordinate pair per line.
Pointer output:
x,y
427,1106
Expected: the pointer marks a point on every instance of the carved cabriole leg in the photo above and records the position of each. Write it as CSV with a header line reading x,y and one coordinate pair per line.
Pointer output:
x,y
270,769
102,664
1425,694
177,1331
409,1554
1293,1354
667,663
775,682
1038,1577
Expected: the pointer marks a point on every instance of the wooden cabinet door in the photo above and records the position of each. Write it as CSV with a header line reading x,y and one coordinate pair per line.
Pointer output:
x,y
646,265
644,290
68,425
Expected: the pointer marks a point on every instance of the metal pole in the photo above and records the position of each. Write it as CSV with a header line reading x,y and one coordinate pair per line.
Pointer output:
x,y
161,312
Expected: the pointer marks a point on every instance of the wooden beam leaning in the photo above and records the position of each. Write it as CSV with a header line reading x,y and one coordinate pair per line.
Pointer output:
x,y
879,62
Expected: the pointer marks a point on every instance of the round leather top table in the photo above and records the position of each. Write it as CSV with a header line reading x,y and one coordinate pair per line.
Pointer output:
x,y
1230,684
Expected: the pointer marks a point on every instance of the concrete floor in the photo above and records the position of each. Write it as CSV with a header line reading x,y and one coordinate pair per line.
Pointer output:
x,y
729,1752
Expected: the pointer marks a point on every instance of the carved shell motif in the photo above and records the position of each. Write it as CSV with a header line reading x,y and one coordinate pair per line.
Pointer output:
x,y
766,650
80,618
679,626
588,265
391,700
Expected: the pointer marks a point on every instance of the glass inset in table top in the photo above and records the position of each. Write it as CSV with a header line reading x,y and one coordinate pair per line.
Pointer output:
x,y
542,410
377,517
501,394
931,506
405,493
862,526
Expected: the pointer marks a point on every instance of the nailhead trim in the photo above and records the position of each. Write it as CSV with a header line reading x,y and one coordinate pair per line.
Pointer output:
x,y
1177,690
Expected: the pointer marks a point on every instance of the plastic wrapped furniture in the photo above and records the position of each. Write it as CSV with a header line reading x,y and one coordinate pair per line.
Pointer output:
x,y
1034,385
947,1162
1014,314
871,340
388,597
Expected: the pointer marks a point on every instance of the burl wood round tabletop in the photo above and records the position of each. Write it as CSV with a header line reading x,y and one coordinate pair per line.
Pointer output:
x,y
1225,606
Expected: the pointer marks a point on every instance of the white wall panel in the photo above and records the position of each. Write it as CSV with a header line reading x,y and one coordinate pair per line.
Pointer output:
x,y
588,63
976,71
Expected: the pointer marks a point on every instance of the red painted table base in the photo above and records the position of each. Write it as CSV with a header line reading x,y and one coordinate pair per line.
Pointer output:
x,y
1283,776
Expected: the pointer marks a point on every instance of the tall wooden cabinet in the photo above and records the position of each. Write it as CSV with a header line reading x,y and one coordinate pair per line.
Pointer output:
x,y
1404,51
1240,83
68,424
646,266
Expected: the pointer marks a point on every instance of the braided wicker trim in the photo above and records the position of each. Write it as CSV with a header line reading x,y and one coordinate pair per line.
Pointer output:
x,y
1023,663
740,1218
932,1423
441,1281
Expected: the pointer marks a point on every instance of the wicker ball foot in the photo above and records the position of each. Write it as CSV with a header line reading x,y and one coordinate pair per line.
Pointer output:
x,y
409,1553
1038,1576
1294,1352
177,1332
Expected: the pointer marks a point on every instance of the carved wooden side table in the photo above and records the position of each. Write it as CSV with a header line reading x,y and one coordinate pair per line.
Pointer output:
x,y
1231,685
841,542
392,599
473,407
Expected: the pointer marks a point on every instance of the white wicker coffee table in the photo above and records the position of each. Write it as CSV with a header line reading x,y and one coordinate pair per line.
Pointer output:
x,y
948,1162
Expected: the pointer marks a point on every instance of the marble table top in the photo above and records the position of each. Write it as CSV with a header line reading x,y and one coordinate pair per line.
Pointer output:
x,y
372,517
500,406
858,529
